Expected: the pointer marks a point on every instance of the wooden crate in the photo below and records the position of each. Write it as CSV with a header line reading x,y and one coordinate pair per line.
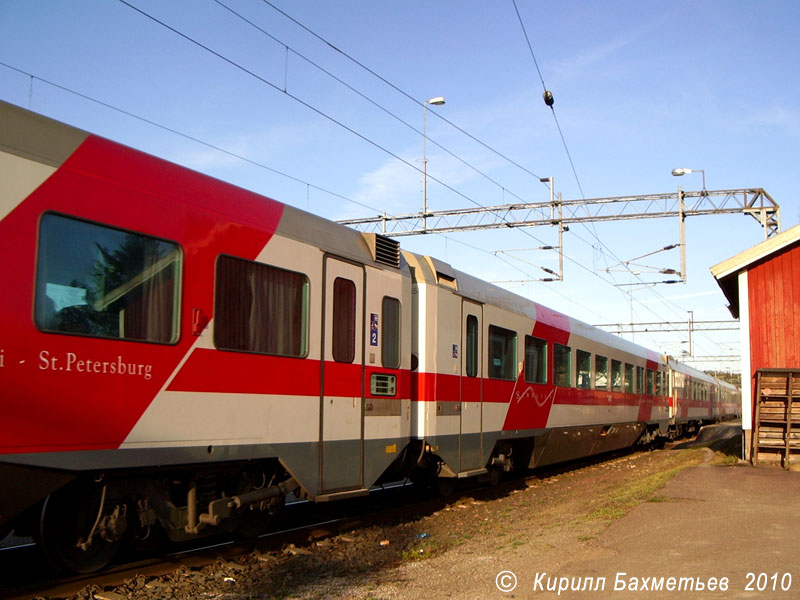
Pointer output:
x,y
777,420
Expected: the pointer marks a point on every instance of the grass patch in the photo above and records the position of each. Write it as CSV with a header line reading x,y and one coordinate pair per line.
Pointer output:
x,y
725,460
422,550
618,500
658,498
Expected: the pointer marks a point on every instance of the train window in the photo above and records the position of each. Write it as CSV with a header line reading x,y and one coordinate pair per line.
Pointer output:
x,y
535,360
616,375
650,382
561,365
344,320
390,333
260,308
600,373
502,353
104,282
628,382
472,346
640,380
584,366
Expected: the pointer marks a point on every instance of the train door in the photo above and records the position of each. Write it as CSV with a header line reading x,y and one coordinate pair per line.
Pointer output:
x,y
471,398
342,394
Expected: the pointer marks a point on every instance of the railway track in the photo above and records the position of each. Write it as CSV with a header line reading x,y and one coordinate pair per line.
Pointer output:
x,y
302,524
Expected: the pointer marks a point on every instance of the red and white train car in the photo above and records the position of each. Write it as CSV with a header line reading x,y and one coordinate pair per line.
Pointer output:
x,y
152,316
504,381
697,398
180,353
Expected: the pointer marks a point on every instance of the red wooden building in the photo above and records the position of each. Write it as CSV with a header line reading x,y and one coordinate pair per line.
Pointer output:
x,y
762,285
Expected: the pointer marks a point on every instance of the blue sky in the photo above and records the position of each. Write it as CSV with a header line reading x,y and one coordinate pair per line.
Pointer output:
x,y
640,87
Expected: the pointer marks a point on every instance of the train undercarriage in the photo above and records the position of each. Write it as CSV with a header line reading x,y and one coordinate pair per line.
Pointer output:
x,y
82,525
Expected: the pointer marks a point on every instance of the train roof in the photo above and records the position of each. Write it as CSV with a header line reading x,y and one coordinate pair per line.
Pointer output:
x,y
687,370
435,271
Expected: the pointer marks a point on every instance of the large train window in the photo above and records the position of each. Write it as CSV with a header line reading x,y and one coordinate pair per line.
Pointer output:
x,y
640,380
502,353
390,333
561,365
260,308
629,378
616,375
472,346
600,373
104,282
650,382
584,367
535,360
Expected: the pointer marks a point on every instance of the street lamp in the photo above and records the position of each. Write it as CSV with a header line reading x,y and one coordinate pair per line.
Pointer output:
x,y
437,101
679,172
682,216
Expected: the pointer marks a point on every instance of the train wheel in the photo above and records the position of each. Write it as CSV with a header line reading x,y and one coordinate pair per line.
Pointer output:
x,y
495,475
446,486
69,517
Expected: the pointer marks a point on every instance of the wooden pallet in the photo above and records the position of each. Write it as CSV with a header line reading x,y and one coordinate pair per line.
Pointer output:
x,y
777,420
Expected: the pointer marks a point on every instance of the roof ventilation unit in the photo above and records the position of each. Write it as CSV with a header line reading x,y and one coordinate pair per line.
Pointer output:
x,y
384,250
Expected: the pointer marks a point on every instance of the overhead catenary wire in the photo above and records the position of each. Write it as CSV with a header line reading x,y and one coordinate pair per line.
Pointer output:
x,y
398,89
184,135
347,128
367,98
437,115
294,178
550,103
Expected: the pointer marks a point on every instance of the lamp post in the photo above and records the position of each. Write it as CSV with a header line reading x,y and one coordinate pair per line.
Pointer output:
x,y
682,215
437,101
679,172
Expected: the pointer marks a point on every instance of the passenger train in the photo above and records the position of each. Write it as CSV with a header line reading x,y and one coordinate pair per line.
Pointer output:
x,y
179,353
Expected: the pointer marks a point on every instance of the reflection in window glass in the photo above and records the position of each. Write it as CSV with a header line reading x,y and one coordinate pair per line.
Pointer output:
x,y
584,368
561,365
502,353
629,378
650,382
390,333
260,308
344,320
472,346
600,373
104,282
616,375
535,360
640,380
